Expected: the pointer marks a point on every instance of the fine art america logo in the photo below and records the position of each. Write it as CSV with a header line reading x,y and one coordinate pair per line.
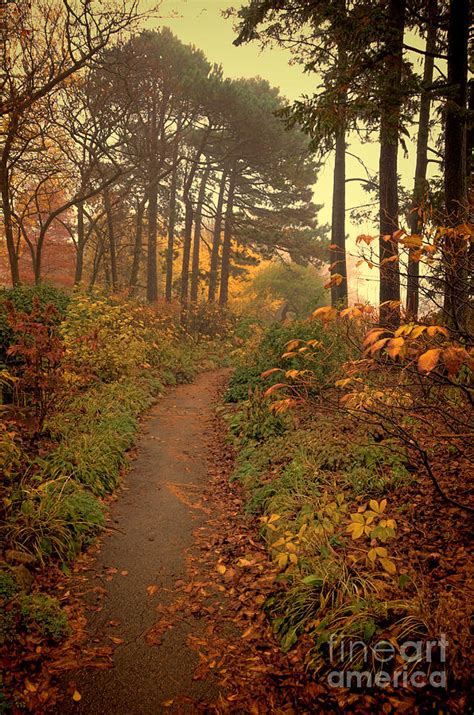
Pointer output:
x,y
415,664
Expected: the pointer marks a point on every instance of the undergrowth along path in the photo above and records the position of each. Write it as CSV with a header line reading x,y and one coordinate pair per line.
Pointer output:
x,y
154,517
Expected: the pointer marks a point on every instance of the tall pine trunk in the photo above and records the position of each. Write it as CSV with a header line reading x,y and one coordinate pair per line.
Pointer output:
x,y
216,241
338,228
152,274
111,237
455,248
197,236
421,184
137,248
188,222
187,238
339,287
389,129
226,245
171,226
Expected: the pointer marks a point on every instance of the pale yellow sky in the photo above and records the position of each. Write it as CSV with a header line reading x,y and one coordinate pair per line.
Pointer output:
x,y
200,23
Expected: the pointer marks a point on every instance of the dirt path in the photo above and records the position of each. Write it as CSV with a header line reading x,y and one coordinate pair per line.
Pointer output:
x,y
155,517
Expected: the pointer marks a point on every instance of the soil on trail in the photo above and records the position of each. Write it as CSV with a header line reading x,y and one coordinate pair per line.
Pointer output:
x,y
162,504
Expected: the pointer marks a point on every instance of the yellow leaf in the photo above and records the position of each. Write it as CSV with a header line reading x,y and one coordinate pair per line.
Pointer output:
x,y
453,358
282,560
292,344
279,542
366,239
388,565
394,346
221,569
373,335
326,313
413,241
356,529
274,388
374,505
434,329
76,696
382,506
245,562
379,344
272,371
403,330
418,331
429,359
273,517
293,559
372,555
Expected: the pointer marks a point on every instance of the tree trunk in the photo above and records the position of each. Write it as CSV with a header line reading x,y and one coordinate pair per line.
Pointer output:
x,y
98,255
389,129
338,229
339,288
197,236
216,241
188,221
137,248
80,245
226,245
421,185
111,235
455,184
171,227
152,275
7,210
188,228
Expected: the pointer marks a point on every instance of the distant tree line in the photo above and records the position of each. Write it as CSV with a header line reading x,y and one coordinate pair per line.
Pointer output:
x,y
166,177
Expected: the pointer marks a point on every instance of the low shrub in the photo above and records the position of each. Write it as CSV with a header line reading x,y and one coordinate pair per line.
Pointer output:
x,y
53,520
43,615
22,299
35,614
254,422
103,340
267,351
95,432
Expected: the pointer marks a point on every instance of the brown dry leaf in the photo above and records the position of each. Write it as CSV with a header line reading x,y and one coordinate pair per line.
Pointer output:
x,y
152,589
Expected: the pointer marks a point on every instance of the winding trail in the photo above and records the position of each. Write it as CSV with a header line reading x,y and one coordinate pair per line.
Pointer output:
x,y
154,517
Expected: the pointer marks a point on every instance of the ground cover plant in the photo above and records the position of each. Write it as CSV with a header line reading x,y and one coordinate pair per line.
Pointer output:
x,y
344,475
